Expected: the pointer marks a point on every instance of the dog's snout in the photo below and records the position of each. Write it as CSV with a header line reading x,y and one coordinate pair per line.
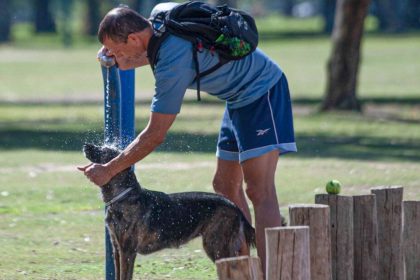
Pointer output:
x,y
87,147
89,151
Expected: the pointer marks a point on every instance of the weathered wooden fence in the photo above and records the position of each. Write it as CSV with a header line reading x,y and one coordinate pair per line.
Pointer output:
x,y
288,253
341,222
372,236
239,268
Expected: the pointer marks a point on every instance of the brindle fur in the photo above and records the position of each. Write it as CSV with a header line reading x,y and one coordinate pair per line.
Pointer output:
x,y
146,221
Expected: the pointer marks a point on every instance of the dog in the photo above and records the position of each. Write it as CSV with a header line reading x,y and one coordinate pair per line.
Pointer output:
x,y
144,221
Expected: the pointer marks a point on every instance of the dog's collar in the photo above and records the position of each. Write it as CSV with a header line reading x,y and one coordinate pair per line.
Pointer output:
x,y
118,197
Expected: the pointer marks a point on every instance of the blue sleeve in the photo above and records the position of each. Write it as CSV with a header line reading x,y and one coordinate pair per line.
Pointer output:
x,y
174,72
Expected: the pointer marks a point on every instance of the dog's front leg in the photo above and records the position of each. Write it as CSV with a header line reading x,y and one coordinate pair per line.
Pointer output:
x,y
127,261
116,255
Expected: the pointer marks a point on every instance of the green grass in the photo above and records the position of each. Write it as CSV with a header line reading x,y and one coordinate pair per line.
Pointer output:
x,y
51,217
388,70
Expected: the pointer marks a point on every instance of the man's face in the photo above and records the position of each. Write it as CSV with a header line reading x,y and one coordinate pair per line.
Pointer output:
x,y
128,55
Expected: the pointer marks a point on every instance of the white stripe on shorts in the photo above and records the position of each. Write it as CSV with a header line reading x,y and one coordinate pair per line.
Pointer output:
x,y
272,116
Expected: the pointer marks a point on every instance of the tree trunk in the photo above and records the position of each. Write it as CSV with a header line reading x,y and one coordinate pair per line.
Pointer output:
x,y
66,9
92,17
5,20
287,7
411,14
44,21
328,12
343,64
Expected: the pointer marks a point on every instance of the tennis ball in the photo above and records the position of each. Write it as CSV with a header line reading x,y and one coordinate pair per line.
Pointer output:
x,y
333,187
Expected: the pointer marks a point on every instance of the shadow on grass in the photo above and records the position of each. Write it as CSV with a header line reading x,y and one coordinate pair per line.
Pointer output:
x,y
411,99
364,100
309,34
358,148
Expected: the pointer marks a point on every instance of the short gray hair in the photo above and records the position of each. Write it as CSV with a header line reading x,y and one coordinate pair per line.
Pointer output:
x,y
119,23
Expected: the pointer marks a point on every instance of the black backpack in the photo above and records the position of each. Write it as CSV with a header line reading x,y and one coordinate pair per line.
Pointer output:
x,y
230,32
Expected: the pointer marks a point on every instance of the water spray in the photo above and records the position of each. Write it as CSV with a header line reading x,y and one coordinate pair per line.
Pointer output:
x,y
118,123
107,61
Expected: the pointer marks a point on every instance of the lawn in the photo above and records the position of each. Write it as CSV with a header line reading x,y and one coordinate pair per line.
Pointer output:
x,y
51,224
51,217
389,69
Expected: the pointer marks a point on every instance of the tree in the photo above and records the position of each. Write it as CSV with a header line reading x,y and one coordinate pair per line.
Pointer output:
x,y
343,64
136,5
390,15
412,14
230,3
5,20
328,12
66,8
93,17
44,21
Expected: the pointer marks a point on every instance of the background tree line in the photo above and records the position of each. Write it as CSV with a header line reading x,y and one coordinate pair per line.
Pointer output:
x,y
344,19
392,15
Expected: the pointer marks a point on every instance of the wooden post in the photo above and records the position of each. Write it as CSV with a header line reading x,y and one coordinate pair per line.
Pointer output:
x,y
239,268
288,253
366,255
389,211
412,239
341,222
317,217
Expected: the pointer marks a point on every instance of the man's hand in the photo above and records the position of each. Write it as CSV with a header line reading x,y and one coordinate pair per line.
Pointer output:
x,y
101,52
97,173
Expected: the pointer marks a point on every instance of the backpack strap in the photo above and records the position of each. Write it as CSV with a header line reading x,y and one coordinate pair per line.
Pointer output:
x,y
152,55
205,73
211,69
197,69
153,48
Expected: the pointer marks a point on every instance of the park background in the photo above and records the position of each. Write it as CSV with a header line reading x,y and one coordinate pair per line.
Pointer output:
x,y
51,102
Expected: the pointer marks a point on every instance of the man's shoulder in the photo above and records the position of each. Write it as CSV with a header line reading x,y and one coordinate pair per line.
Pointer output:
x,y
175,43
174,51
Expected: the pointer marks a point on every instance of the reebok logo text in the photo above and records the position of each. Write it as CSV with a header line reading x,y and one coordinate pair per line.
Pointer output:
x,y
261,132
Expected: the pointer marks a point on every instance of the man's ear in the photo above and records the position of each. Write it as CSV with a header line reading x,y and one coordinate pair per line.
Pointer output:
x,y
134,38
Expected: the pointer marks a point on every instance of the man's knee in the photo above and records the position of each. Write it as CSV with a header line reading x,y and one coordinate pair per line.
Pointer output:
x,y
218,184
259,194
227,187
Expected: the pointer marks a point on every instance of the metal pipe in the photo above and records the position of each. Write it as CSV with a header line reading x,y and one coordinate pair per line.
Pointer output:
x,y
119,115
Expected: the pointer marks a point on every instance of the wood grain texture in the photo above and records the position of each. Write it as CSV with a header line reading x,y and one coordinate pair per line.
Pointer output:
x,y
341,225
317,217
389,212
288,253
366,254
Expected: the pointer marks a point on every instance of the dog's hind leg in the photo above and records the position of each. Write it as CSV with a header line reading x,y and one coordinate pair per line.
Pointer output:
x,y
127,261
240,242
221,236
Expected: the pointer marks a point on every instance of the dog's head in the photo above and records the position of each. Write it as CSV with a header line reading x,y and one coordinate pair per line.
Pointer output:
x,y
99,154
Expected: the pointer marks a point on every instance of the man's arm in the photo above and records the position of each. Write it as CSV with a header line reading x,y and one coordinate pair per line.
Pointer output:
x,y
148,140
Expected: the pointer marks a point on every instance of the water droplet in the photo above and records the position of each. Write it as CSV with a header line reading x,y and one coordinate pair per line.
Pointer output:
x,y
4,193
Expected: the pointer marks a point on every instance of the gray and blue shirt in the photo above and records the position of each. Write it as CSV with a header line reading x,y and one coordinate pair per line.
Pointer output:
x,y
239,82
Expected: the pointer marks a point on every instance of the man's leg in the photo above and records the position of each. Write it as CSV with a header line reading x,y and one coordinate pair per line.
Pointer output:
x,y
228,182
259,175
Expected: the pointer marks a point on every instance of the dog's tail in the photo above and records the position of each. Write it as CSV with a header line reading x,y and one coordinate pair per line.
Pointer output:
x,y
249,233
